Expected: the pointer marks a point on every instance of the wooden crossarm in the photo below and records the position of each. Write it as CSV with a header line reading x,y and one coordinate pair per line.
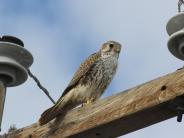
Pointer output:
x,y
119,114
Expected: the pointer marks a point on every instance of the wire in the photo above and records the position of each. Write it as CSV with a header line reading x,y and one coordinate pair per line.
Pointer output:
x,y
40,86
180,2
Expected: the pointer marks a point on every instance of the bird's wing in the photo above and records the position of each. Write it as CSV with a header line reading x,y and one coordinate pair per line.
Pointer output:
x,y
83,69
52,112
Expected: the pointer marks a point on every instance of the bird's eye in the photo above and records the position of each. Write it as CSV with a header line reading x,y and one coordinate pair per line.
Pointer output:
x,y
111,45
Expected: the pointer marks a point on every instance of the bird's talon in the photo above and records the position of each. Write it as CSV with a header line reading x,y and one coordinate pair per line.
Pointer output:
x,y
88,101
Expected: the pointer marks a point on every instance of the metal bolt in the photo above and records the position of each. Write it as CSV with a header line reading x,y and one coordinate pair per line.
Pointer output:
x,y
177,105
180,112
2,99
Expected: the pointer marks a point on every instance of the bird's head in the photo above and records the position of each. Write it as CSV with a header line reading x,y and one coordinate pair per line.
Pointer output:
x,y
110,48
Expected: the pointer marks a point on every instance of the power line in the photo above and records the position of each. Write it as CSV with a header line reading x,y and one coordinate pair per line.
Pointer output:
x,y
40,85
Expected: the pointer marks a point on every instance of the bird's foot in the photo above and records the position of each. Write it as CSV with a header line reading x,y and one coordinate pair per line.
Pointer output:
x,y
88,101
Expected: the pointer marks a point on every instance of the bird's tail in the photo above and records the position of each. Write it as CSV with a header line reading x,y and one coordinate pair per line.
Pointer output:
x,y
51,113
46,116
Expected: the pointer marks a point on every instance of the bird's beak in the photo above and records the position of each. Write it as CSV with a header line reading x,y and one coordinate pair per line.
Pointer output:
x,y
117,50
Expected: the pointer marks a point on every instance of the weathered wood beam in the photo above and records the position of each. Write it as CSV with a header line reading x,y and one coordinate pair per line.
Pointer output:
x,y
119,114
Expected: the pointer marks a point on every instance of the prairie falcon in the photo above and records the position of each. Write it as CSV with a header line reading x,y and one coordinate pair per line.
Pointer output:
x,y
88,83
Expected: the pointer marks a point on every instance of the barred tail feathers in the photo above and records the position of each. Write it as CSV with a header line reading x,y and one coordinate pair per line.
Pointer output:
x,y
46,116
52,112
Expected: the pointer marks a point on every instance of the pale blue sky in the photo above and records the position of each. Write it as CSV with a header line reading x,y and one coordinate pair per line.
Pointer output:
x,y
61,34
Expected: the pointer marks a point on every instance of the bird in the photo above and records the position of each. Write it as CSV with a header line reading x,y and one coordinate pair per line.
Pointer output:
x,y
88,83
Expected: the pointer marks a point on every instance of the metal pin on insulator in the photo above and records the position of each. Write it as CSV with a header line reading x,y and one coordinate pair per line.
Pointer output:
x,y
14,62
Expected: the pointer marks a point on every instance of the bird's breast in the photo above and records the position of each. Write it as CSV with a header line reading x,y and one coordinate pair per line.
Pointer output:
x,y
99,76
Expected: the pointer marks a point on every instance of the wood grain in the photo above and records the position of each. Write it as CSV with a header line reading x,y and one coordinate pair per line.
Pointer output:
x,y
119,114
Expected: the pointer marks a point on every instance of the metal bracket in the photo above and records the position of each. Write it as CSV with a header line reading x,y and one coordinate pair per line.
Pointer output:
x,y
178,105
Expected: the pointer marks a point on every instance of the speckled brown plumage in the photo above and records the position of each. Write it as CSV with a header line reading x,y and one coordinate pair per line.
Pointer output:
x,y
88,83
83,69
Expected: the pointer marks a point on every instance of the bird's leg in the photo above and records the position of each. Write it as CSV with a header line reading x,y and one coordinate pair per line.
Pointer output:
x,y
88,101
